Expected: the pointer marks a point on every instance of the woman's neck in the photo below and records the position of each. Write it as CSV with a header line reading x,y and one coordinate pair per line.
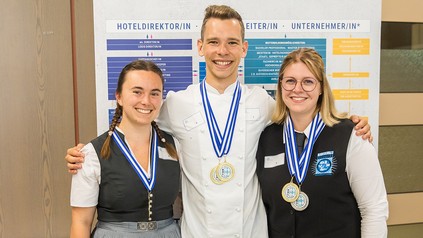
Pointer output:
x,y
301,122
135,133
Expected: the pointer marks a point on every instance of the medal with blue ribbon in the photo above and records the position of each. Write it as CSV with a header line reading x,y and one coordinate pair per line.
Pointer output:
x,y
298,164
224,171
154,151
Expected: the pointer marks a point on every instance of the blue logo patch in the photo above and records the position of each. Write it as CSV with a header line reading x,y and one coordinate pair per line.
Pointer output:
x,y
324,164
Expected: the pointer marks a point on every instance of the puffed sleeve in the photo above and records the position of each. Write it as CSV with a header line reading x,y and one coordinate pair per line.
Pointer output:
x,y
85,184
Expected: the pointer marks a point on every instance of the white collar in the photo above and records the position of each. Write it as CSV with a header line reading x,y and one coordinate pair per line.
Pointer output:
x,y
229,90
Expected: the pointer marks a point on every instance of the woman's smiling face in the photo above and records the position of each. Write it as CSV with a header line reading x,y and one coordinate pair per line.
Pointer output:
x,y
298,101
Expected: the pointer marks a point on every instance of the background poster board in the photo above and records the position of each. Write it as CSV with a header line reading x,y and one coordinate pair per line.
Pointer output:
x,y
346,34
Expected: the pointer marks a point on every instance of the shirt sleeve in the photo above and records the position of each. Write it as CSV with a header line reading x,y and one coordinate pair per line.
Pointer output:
x,y
366,181
268,103
164,118
271,108
85,184
178,148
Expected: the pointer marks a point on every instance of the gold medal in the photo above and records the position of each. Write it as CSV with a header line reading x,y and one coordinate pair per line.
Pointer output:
x,y
290,192
301,203
225,171
214,178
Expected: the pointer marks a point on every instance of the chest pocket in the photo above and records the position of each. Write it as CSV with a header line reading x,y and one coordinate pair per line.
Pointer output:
x,y
193,121
252,114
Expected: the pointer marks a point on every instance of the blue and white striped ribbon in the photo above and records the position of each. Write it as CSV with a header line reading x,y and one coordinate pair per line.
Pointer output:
x,y
154,151
221,142
298,166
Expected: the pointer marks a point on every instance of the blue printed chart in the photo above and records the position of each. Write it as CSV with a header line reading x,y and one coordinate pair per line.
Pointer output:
x,y
149,44
177,71
265,57
345,33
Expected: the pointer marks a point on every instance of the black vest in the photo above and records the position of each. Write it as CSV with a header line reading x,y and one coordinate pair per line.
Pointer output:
x,y
333,210
123,197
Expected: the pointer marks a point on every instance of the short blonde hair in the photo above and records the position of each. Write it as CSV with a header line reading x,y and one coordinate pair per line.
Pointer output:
x,y
325,103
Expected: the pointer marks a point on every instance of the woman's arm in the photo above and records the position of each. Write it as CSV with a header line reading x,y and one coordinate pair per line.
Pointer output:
x,y
366,181
82,220
84,194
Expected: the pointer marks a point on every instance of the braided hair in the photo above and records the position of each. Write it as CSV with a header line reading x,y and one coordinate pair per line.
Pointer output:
x,y
169,147
105,150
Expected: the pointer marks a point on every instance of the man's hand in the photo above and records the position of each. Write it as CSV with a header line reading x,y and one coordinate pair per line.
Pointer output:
x,y
362,128
74,157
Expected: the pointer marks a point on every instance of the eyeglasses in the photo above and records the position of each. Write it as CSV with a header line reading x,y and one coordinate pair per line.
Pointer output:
x,y
308,84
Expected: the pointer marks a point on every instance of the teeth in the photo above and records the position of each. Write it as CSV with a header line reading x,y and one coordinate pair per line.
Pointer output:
x,y
222,62
143,110
298,99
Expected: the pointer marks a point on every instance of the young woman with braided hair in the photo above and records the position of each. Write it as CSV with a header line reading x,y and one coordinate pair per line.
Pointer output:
x,y
131,172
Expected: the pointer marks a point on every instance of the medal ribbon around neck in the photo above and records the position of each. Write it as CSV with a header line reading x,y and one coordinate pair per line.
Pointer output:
x,y
154,151
221,143
298,166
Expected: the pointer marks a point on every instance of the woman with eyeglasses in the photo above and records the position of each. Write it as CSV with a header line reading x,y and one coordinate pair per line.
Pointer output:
x,y
318,178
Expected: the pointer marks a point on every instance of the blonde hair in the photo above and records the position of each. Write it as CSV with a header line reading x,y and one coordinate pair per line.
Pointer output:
x,y
325,103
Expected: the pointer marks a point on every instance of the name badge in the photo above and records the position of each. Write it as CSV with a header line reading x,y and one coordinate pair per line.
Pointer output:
x,y
274,160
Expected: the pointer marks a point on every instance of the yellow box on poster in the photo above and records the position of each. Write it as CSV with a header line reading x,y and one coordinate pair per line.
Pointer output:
x,y
350,75
351,46
351,94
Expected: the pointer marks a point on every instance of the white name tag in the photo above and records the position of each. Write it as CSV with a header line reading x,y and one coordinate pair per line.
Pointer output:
x,y
274,160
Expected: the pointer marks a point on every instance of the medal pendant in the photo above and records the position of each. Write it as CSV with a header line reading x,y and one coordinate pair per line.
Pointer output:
x,y
225,171
290,192
214,178
301,203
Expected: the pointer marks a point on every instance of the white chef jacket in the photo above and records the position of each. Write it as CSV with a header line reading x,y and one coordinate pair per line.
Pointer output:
x,y
235,208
